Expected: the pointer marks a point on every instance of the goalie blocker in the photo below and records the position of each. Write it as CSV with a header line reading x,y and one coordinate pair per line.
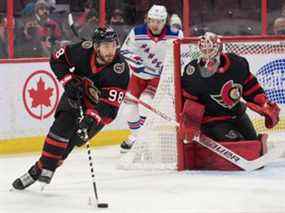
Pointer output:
x,y
197,157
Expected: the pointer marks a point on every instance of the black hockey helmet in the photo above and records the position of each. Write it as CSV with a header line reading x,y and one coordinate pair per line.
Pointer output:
x,y
104,34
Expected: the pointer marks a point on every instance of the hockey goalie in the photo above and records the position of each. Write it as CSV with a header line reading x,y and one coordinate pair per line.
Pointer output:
x,y
217,89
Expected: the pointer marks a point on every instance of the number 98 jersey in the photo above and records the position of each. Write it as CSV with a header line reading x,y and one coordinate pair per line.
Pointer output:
x,y
104,86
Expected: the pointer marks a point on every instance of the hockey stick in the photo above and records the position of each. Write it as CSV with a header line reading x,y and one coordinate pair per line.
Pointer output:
x,y
218,148
73,28
90,159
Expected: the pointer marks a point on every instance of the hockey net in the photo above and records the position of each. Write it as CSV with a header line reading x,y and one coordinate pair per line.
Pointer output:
x,y
157,146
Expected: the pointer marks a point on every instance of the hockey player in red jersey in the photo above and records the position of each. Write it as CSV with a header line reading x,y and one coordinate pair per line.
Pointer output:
x,y
94,76
219,81
146,44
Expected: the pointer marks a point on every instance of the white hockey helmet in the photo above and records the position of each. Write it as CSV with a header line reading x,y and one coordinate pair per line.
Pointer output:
x,y
157,12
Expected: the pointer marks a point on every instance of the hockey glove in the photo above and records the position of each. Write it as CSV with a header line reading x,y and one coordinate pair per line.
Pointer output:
x,y
269,110
83,128
74,89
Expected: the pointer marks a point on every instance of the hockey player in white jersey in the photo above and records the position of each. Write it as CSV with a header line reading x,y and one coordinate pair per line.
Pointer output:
x,y
146,47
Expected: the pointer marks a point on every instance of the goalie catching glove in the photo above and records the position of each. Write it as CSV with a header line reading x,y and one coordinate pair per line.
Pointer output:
x,y
269,110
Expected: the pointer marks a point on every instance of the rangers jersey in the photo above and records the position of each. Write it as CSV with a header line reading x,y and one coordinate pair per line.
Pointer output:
x,y
146,52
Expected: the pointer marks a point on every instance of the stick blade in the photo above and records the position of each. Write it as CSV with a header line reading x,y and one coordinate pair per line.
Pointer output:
x,y
102,205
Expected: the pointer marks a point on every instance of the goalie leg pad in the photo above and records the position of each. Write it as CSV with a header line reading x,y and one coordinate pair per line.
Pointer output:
x,y
191,119
200,158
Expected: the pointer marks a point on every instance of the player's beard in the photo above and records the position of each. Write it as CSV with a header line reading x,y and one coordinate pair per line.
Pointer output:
x,y
106,58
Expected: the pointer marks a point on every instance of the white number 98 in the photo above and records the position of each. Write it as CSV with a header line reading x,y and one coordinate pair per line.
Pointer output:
x,y
116,96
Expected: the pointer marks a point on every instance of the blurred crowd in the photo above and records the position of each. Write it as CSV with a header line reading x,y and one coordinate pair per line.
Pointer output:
x,y
40,26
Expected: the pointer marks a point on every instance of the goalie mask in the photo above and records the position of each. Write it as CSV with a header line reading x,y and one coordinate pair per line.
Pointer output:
x,y
210,47
156,19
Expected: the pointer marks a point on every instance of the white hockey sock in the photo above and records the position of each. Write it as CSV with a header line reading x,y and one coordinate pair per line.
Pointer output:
x,y
133,119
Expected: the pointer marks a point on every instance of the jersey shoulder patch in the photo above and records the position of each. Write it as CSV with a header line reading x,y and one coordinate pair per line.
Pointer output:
x,y
119,68
190,69
87,44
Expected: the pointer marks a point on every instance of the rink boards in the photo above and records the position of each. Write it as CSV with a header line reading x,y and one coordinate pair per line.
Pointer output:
x,y
29,96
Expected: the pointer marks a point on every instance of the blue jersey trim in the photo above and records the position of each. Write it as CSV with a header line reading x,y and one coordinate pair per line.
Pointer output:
x,y
142,30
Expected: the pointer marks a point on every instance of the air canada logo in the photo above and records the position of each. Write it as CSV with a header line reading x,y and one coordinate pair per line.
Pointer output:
x,y
229,95
40,94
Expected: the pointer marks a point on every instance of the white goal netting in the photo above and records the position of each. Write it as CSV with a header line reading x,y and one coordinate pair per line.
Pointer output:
x,y
156,146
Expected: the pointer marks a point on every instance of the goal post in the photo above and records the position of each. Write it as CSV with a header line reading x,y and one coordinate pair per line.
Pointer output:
x,y
158,145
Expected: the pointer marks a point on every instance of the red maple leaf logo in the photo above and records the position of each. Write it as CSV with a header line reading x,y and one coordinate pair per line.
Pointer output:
x,y
41,95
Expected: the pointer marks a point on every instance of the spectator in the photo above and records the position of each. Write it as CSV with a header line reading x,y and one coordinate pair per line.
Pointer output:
x,y
279,26
18,6
83,17
117,18
175,22
51,3
86,30
3,40
279,23
29,8
87,21
77,5
49,30
28,43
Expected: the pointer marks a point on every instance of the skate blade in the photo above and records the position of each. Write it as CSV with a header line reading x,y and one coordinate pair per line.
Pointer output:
x,y
124,151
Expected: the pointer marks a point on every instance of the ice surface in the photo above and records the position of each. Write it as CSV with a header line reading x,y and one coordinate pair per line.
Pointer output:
x,y
261,191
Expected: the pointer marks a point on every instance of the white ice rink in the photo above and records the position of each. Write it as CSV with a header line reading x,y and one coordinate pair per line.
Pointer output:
x,y
261,191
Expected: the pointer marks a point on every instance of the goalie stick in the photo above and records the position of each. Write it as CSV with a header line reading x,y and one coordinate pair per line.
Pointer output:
x,y
219,149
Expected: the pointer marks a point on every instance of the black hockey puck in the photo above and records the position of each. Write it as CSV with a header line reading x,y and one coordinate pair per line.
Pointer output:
x,y
102,205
